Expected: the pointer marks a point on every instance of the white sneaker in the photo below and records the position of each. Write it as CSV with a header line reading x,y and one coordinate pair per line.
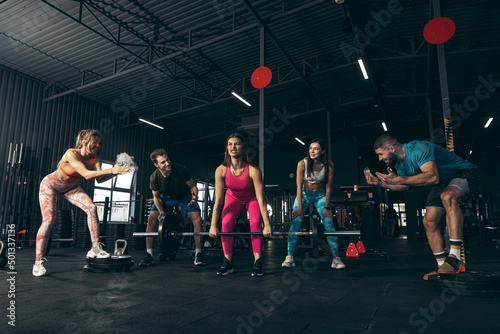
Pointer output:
x,y
288,262
38,268
337,263
96,251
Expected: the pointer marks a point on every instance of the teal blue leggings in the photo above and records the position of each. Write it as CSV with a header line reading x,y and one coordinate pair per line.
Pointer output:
x,y
318,199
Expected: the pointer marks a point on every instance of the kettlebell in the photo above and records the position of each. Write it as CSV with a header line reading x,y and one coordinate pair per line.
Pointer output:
x,y
122,250
3,254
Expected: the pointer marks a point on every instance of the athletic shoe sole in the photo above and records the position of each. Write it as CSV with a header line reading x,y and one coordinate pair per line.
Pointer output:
x,y
338,267
287,265
99,257
230,271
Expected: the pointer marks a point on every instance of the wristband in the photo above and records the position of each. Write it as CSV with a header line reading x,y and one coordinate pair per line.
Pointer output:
x,y
327,208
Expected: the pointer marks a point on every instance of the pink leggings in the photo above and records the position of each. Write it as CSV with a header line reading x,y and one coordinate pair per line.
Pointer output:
x,y
232,208
52,185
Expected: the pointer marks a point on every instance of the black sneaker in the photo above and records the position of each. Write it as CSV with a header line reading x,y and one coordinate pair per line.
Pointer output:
x,y
257,268
147,261
227,268
199,259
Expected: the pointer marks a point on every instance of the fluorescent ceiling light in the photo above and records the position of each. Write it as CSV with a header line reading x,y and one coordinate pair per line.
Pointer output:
x,y
241,99
152,124
488,123
384,126
300,141
363,69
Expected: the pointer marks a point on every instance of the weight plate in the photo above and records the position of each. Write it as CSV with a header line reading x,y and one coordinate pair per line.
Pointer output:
x,y
111,260
168,244
463,285
110,265
98,270
473,276
162,234
314,236
473,283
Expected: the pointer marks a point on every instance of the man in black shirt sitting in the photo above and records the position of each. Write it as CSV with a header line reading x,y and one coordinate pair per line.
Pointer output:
x,y
172,184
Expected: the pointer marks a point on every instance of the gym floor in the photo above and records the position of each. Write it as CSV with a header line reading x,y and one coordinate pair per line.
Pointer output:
x,y
370,296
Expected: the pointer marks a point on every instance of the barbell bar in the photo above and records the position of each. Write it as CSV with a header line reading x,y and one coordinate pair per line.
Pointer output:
x,y
49,242
169,243
196,234
52,240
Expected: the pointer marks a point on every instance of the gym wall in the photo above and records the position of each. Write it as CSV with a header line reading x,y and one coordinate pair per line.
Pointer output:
x,y
47,129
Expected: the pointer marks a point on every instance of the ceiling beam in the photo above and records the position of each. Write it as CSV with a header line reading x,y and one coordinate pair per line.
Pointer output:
x,y
235,31
311,89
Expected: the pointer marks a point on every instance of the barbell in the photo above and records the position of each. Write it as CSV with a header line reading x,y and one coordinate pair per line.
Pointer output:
x,y
3,248
168,236
49,242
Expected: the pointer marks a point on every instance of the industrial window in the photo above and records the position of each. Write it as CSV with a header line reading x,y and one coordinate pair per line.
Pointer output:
x,y
120,190
206,197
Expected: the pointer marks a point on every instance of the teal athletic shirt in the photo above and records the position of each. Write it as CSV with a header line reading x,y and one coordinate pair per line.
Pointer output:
x,y
419,152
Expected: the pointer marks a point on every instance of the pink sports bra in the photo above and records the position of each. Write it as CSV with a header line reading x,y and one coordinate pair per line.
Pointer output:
x,y
241,186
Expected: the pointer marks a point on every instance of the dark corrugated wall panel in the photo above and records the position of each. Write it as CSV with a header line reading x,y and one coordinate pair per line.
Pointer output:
x,y
47,130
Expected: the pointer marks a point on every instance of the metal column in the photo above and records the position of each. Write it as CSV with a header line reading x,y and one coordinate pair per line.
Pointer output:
x,y
261,102
443,79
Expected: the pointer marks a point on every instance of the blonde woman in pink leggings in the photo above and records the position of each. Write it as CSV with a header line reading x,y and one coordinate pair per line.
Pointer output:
x,y
76,163
245,188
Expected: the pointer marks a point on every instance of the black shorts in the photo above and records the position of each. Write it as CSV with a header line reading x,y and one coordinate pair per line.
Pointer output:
x,y
466,180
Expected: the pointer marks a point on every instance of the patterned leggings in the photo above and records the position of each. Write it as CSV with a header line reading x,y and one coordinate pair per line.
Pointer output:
x,y
52,185
318,199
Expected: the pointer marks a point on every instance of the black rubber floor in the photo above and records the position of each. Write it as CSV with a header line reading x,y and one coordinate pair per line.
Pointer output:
x,y
369,296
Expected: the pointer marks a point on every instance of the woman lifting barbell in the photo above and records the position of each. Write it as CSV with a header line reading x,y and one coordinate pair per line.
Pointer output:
x,y
314,184
245,188
76,163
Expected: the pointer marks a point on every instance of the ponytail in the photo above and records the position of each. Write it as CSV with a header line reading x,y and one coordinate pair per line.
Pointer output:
x,y
79,138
